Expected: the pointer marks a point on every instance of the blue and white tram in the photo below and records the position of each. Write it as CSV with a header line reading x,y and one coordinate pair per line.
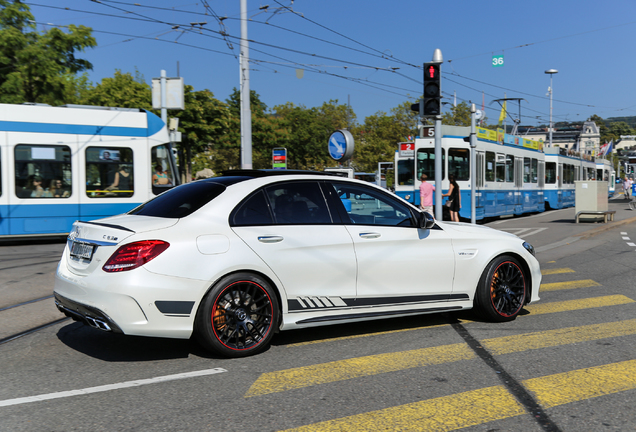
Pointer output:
x,y
606,172
510,175
61,164
561,171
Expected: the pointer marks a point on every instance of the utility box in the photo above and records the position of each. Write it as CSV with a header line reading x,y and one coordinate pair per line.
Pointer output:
x,y
591,196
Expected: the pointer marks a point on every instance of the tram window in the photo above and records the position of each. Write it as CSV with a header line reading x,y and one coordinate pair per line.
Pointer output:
x,y
162,175
459,163
0,174
500,167
550,172
109,172
490,166
568,173
535,171
405,172
526,170
426,163
42,171
510,169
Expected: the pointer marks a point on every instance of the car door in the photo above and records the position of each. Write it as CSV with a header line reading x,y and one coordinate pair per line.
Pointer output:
x,y
397,262
289,226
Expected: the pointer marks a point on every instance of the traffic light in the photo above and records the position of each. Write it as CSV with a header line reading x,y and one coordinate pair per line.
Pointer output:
x,y
432,90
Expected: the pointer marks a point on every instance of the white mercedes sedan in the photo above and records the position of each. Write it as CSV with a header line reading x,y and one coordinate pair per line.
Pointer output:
x,y
234,259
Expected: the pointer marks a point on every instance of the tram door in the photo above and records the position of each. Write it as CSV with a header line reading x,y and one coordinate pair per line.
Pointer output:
x,y
560,191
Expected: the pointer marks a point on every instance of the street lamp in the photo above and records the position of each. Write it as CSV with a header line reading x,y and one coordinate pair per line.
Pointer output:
x,y
551,72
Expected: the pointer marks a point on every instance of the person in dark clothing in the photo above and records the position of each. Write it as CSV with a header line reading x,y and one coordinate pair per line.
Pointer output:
x,y
454,198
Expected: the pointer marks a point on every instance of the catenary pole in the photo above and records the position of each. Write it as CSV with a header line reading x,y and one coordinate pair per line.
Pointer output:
x,y
246,114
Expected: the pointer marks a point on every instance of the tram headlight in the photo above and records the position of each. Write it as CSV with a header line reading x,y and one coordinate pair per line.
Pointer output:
x,y
529,247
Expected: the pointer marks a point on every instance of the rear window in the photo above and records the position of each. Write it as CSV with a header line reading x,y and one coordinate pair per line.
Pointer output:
x,y
180,201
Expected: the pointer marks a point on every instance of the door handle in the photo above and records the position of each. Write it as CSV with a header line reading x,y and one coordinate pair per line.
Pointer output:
x,y
270,239
370,235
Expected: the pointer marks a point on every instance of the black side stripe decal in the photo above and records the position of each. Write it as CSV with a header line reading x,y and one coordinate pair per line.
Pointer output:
x,y
309,303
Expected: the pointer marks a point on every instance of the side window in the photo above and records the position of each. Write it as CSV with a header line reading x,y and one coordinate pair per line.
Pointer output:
x,y
526,170
535,170
368,206
42,171
490,166
162,175
500,171
298,203
253,211
109,172
550,172
459,163
510,169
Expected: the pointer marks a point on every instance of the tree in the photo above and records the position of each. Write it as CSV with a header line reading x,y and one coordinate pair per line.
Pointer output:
x,y
122,90
202,124
377,139
38,67
458,115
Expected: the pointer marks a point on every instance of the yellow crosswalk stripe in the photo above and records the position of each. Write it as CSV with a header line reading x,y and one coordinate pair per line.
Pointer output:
x,y
546,272
481,406
571,305
584,283
307,376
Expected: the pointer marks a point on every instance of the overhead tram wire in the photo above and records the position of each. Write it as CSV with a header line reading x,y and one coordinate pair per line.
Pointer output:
x,y
292,65
347,37
206,30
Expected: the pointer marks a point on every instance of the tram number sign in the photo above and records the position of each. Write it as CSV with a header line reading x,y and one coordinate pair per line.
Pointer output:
x,y
428,132
407,149
497,61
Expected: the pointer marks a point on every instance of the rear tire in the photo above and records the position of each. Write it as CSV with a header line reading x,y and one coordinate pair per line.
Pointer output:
x,y
502,290
238,317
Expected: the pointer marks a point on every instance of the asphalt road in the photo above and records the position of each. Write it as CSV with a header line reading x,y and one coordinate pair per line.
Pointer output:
x,y
568,363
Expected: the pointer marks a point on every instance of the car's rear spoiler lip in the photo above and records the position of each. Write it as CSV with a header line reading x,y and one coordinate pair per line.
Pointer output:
x,y
119,227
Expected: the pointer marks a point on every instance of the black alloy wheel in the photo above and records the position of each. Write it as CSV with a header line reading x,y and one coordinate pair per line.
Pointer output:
x,y
502,290
238,317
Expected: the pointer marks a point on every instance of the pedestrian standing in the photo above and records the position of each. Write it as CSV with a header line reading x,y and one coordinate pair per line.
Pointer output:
x,y
454,198
426,195
627,187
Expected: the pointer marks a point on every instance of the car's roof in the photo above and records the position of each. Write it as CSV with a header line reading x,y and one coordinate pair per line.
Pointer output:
x,y
253,173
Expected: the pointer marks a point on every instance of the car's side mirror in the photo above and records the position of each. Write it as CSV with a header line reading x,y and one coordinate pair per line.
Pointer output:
x,y
425,220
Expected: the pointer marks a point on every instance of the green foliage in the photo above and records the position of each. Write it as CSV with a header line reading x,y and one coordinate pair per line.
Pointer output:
x,y
205,121
39,67
458,115
122,90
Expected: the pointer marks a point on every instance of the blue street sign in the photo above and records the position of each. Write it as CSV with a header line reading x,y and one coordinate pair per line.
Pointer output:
x,y
341,145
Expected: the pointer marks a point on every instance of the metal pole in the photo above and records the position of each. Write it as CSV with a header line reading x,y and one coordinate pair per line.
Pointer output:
x,y
164,98
550,110
473,170
246,114
438,168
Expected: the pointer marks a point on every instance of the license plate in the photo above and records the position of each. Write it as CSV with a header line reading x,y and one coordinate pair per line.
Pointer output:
x,y
82,250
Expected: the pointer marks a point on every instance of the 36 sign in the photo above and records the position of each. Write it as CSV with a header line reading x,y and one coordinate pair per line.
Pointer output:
x,y
497,61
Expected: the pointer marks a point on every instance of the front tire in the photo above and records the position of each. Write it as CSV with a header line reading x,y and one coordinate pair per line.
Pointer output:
x,y
502,290
238,317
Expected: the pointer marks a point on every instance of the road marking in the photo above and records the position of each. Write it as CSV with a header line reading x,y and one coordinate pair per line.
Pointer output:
x,y
584,283
546,272
341,370
626,238
523,232
631,244
108,387
481,406
570,305
582,384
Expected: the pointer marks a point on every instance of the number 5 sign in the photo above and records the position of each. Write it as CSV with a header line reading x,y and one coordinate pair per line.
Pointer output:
x,y
497,61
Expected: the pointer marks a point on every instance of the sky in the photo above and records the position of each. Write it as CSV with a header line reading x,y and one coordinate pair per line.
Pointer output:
x,y
369,53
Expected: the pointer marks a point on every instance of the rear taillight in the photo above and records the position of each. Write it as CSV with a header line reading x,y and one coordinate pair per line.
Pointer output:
x,y
134,255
